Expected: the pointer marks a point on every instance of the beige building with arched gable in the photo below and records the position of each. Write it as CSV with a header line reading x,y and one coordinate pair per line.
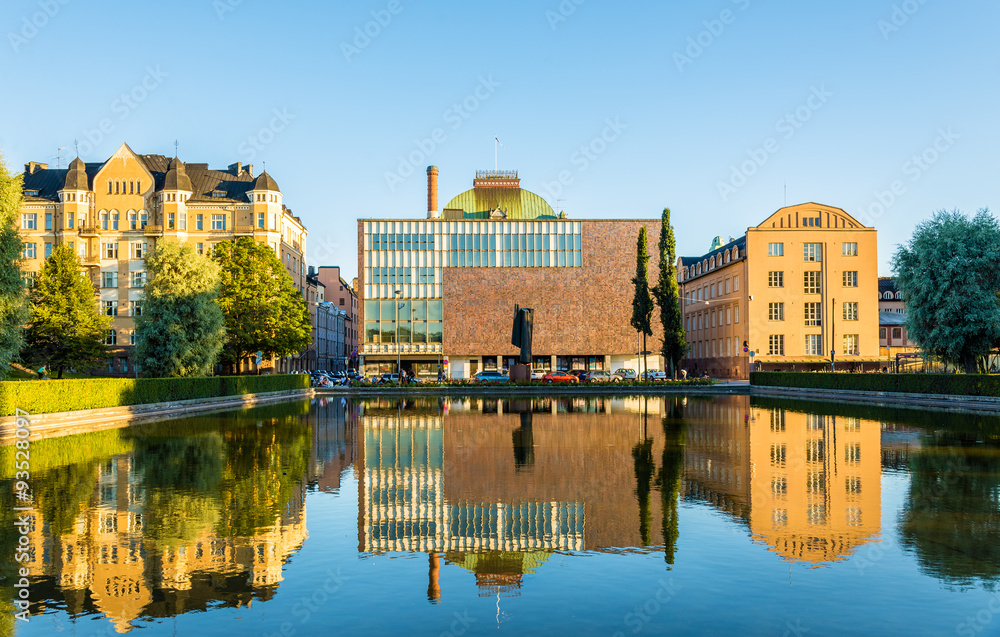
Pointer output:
x,y
112,213
798,285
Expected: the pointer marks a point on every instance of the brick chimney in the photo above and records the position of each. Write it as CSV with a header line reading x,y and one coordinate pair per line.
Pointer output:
x,y
432,192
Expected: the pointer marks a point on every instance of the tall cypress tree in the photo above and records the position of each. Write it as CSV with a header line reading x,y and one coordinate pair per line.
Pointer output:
x,y
66,330
642,302
13,296
667,293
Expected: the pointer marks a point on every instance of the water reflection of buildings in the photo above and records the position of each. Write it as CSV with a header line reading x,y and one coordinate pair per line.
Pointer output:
x,y
502,486
807,485
107,557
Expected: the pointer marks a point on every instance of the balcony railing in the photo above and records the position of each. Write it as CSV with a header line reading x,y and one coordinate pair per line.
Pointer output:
x,y
243,231
89,231
153,231
93,259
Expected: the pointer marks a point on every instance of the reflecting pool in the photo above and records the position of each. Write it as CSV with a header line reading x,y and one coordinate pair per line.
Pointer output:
x,y
694,515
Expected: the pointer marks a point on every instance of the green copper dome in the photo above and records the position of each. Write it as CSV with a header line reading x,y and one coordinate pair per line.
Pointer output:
x,y
479,202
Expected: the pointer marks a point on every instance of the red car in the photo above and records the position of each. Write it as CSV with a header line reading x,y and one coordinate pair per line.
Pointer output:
x,y
560,377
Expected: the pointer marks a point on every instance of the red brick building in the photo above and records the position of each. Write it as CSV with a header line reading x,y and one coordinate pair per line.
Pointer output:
x,y
442,290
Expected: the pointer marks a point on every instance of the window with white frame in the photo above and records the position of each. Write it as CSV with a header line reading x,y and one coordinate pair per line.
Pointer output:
x,y
814,344
30,250
109,279
776,311
110,308
218,222
29,221
851,344
812,252
137,279
137,250
813,313
776,345
850,249
775,249
810,282
776,279
111,250
850,279
850,311
111,338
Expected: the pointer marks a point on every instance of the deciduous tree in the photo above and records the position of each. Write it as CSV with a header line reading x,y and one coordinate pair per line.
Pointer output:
x,y
642,302
66,330
181,329
667,294
949,278
264,312
14,310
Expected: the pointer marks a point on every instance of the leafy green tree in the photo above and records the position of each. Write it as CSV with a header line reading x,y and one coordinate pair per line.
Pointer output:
x,y
642,302
264,312
14,310
949,279
667,294
181,330
66,330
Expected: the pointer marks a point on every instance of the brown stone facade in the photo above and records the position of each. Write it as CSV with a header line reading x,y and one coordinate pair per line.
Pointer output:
x,y
578,311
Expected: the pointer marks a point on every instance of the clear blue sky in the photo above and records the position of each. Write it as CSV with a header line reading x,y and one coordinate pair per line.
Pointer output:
x,y
869,85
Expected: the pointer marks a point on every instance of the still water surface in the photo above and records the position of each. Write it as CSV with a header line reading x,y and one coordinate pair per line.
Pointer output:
x,y
465,516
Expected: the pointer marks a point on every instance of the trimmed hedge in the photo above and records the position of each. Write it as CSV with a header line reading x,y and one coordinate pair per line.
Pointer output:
x,y
952,384
50,396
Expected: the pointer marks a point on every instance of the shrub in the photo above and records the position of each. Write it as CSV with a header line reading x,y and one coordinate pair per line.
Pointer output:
x,y
952,384
44,397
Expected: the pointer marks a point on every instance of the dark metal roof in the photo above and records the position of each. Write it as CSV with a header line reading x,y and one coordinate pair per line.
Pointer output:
x,y
266,182
204,181
887,284
688,262
891,318
76,176
177,177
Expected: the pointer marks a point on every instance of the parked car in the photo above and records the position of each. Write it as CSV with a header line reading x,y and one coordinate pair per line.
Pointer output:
x,y
389,378
537,374
491,377
560,377
598,377
623,374
654,375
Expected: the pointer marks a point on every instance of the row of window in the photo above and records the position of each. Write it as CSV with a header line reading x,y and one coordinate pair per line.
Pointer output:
x,y
815,480
111,308
122,187
394,242
709,264
710,291
813,312
137,279
814,422
700,321
776,279
393,276
816,515
812,251
813,344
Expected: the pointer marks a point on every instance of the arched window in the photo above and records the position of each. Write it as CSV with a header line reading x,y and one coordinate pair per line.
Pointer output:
x,y
117,185
899,296
109,186
131,187
138,187
736,253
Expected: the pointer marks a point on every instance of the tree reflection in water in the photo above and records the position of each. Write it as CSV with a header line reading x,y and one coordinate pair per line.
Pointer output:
x,y
951,516
669,480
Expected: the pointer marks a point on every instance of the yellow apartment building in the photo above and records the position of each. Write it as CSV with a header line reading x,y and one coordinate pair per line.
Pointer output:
x,y
797,289
112,213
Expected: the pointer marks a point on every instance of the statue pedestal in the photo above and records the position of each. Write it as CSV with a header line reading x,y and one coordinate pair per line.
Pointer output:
x,y
520,372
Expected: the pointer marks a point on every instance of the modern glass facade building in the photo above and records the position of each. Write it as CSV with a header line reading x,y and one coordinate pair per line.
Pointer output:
x,y
442,290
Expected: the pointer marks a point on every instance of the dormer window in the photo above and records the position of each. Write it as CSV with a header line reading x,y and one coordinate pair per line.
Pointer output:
x,y
31,192
218,193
